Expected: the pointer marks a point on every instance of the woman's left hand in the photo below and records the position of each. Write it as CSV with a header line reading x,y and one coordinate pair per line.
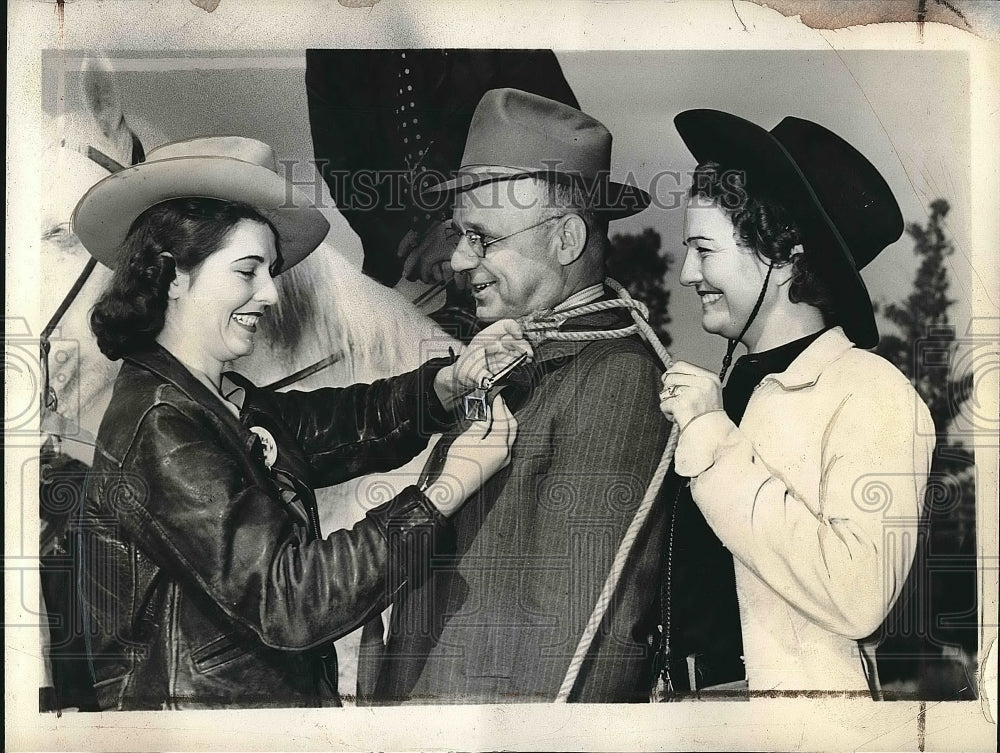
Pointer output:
x,y
688,392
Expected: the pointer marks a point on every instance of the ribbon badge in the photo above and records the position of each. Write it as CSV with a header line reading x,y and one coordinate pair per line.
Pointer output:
x,y
268,444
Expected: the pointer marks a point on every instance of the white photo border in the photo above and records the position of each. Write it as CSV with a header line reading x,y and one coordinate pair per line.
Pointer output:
x,y
777,723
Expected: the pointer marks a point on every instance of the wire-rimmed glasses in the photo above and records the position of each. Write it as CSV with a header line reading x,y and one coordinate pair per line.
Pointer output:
x,y
478,244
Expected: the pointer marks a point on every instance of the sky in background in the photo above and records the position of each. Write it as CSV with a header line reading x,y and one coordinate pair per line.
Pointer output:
x,y
907,111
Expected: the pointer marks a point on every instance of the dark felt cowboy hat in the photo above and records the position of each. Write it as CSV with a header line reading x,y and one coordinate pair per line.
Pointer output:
x,y
515,134
844,207
231,168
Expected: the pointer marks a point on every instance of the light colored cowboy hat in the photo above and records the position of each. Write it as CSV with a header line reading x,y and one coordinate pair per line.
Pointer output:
x,y
516,134
230,168
845,209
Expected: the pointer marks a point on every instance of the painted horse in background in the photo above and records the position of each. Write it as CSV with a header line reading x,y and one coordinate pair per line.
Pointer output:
x,y
327,311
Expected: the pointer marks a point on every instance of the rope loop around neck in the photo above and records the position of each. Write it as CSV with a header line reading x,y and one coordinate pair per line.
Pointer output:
x,y
546,324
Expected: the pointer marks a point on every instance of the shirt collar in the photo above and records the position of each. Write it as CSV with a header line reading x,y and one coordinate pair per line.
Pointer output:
x,y
805,370
775,360
582,297
613,318
750,370
233,392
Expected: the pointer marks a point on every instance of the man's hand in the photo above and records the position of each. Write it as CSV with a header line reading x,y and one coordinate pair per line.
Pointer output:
x,y
688,392
428,259
488,353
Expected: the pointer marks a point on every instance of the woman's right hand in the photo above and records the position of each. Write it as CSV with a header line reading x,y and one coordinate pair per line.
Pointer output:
x,y
475,455
489,353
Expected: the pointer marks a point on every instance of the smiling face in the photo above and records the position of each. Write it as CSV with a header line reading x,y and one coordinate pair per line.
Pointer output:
x,y
214,309
726,274
520,274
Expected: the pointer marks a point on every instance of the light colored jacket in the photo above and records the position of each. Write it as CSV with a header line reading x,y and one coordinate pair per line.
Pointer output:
x,y
818,495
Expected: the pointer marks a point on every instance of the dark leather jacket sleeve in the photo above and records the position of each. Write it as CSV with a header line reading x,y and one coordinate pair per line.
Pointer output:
x,y
345,432
193,505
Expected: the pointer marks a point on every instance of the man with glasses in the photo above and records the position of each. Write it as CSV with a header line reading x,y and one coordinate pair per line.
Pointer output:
x,y
500,613
382,121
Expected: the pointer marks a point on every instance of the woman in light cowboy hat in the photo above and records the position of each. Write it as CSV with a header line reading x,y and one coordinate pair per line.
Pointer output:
x,y
206,579
810,465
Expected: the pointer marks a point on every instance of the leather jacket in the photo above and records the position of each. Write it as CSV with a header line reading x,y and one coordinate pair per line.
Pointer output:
x,y
204,583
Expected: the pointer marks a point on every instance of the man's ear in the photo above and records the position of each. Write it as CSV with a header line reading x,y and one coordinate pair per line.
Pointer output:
x,y
783,275
571,240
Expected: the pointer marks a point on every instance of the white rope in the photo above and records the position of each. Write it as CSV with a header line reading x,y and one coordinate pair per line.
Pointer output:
x,y
641,514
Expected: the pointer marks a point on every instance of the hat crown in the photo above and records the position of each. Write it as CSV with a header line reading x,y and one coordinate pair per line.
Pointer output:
x,y
515,134
809,167
240,148
226,168
849,188
520,130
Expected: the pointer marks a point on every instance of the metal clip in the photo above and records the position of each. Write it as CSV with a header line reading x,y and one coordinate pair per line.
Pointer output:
x,y
475,406
476,403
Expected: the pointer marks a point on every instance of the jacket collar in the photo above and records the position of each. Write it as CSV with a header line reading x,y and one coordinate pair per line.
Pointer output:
x,y
161,362
805,370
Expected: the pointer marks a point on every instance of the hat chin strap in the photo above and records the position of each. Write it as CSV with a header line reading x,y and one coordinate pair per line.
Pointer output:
x,y
728,359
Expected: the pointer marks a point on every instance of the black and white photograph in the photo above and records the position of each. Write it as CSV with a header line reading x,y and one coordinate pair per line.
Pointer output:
x,y
416,376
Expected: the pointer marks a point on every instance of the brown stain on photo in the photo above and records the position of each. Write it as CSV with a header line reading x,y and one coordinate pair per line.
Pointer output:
x,y
980,17
833,14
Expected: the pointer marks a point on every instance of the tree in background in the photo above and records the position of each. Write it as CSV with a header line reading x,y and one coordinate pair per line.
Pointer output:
x,y
635,260
930,639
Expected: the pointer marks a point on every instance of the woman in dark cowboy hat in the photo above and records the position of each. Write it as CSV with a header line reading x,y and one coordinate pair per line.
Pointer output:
x,y
810,465
206,579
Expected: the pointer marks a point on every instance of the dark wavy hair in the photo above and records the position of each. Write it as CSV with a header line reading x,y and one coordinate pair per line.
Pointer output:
x,y
764,225
171,235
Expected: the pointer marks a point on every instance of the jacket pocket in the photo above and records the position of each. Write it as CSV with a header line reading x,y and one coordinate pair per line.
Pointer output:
x,y
222,650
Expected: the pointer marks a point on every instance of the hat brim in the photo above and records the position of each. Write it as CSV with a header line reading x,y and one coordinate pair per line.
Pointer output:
x,y
613,200
106,212
735,143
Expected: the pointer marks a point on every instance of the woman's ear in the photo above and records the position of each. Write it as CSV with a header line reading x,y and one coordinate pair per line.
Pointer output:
x,y
783,275
571,240
179,285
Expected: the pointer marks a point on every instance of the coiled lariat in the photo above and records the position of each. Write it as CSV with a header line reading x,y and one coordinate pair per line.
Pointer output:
x,y
545,325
